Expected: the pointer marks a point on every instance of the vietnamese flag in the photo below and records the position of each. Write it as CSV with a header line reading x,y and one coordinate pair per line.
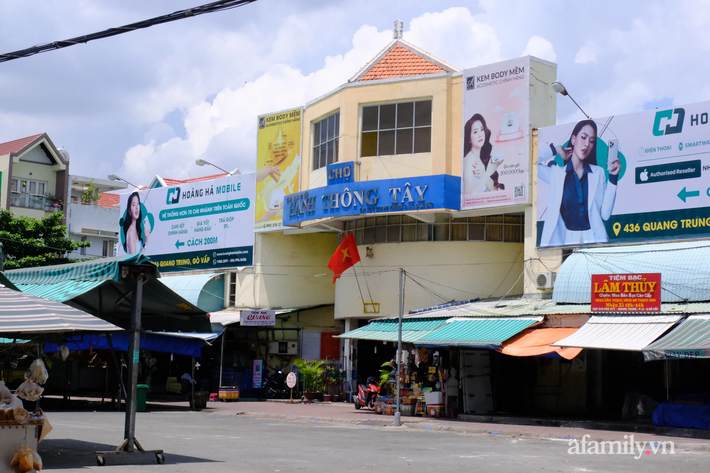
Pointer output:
x,y
345,256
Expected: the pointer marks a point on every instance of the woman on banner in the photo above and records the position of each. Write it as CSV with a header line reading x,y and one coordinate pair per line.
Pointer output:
x,y
479,170
579,199
135,232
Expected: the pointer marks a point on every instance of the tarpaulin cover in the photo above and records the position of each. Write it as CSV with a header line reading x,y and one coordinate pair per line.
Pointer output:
x,y
149,341
684,416
536,342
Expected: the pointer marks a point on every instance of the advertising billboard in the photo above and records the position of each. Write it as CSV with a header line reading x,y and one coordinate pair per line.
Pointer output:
x,y
626,293
200,225
496,135
626,178
278,165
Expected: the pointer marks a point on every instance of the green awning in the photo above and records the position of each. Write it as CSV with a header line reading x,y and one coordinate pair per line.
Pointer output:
x,y
388,330
104,288
478,332
689,340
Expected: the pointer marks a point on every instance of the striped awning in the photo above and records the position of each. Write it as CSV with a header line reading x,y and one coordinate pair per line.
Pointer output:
x,y
104,288
25,314
690,340
66,281
620,332
479,332
388,330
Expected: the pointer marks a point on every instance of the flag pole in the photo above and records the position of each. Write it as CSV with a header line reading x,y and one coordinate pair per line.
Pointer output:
x,y
397,413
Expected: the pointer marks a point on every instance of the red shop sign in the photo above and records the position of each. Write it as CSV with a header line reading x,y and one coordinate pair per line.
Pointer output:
x,y
626,293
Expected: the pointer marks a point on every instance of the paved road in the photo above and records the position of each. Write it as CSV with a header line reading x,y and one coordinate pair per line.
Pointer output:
x,y
222,439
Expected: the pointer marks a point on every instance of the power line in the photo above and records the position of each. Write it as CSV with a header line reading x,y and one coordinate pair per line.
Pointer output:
x,y
217,6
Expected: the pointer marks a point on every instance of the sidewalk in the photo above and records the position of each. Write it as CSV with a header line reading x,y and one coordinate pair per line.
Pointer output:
x,y
346,413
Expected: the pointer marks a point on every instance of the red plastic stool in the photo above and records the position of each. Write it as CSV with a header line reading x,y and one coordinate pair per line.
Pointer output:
x,y
214,397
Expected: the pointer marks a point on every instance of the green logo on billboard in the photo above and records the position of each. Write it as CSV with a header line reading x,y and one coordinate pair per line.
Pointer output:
x,y
173,196
668,114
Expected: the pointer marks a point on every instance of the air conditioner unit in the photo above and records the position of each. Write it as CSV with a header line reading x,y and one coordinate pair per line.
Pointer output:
x,y
283,348
545,280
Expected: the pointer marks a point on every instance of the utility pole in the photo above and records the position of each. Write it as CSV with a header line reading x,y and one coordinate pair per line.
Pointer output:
x,y
397,413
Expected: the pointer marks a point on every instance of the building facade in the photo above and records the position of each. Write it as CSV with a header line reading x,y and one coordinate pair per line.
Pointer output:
x,y
34,176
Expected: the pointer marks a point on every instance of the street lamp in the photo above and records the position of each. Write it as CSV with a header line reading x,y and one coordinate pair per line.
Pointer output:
x,y
561,89
114,177
202,162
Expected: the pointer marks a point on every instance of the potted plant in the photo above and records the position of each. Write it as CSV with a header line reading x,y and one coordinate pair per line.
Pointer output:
x,y
90,194
53,202
312,374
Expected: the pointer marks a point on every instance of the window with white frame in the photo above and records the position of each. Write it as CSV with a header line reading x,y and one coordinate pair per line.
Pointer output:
x,y
326,134
396,128
28,186
403,228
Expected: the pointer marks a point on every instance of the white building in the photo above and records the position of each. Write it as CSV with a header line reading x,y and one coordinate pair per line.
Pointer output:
x,y
95,217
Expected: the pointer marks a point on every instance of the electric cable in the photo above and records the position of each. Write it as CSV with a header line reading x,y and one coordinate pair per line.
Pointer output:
x,y
220,5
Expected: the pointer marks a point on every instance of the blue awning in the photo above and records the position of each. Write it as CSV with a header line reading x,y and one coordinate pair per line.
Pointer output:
x,y
178,343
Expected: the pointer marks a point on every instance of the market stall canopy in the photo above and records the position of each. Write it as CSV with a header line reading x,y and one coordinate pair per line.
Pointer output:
x,y
205,291
387,330
690,340
104,288
620,332
189,344
536,342
26,314
478,332
683,267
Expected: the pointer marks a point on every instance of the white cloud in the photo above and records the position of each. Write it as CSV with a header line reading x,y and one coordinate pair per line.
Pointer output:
x,y
587,53
224,131
497,108
540,47
455,36
516,93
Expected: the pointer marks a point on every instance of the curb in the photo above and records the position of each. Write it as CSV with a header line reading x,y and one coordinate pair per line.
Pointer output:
x,y
551,434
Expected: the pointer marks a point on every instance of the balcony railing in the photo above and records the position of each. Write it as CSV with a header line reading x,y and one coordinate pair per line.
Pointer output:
x,y
33,201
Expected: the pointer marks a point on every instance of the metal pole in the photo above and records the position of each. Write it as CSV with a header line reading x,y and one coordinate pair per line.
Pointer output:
x,y
192,384
397,413
221,358
133,349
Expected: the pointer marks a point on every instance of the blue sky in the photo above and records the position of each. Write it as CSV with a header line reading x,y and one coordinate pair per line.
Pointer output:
x,y
152,101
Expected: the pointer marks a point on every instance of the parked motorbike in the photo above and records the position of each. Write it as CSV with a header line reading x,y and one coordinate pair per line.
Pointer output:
x,y
274,386
366,394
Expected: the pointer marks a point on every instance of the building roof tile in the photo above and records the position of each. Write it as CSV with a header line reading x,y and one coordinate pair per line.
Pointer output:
x,y
108,200
174,182
15,146
400,62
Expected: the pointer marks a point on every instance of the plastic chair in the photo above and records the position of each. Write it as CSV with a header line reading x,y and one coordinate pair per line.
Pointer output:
x,y
348,390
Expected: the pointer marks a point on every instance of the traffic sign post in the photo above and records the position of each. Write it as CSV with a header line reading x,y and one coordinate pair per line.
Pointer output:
x,y
291,383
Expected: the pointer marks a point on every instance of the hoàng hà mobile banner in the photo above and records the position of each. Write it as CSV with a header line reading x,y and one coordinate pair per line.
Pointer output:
x,y
496,134
626,293
278,165
628,178
200,225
